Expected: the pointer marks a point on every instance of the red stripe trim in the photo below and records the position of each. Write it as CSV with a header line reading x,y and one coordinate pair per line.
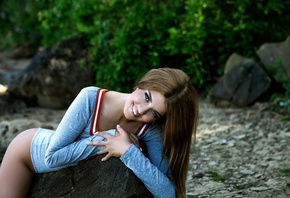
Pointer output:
x,y
97,111
144,130
100,107
94,115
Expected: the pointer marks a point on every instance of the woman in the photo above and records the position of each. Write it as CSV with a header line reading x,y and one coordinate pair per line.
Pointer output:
x,y
162,111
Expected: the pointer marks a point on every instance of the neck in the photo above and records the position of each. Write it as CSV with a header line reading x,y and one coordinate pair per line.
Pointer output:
x,y
116,102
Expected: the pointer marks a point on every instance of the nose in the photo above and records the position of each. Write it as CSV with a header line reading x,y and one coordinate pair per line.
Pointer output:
x,y
143,109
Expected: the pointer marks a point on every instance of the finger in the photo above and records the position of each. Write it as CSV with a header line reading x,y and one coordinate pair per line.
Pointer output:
x,y
107,157
120,130
97,143
117,133
105,150
103,134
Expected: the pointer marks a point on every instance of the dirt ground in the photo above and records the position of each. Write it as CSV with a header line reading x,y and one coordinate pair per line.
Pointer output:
x,y
240,152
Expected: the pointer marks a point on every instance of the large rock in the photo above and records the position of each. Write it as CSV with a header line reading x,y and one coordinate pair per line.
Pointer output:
x,y
9,129
94,179
276,58
10,104
242,85
232,61
55,75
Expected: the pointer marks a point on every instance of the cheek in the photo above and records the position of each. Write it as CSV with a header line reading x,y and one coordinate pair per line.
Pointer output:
x,y
148,117
127,109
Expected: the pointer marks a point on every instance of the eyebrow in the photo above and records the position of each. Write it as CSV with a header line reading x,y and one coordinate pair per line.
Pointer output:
x,y
159,115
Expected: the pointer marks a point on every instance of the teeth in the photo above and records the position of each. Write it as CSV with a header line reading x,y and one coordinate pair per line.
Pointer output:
x,y
135,113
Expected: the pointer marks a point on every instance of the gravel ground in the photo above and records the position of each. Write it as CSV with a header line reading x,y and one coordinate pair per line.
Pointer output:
x,y
240,152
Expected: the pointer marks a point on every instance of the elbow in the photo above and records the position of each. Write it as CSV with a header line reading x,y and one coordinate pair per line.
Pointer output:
x,y
171,190
165,191
48,160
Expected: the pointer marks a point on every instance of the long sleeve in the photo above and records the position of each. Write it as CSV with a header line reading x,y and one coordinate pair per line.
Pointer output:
x,y
151,171
64,150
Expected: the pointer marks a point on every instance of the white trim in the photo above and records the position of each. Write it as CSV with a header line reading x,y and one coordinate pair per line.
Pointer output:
x,y
141,131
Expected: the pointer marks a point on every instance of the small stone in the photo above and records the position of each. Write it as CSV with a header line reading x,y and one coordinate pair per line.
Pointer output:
x,y
240,137
259,175
213,164
259,188
247,172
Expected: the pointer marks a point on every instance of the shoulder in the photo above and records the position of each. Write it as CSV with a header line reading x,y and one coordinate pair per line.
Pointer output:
x,y
89,90
86,97
153,133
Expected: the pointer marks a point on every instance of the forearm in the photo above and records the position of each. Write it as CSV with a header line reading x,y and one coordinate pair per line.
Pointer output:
x,y
73,152
155,180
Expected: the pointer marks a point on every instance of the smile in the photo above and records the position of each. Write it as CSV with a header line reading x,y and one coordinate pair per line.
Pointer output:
x,y
134,111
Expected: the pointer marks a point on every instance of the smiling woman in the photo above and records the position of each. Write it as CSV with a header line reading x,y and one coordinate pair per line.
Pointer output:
x,y
161,112
145,106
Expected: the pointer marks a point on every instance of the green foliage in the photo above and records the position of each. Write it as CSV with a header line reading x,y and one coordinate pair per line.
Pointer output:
x,y
215,176
286,118
280,104
16,17
128,38
285,172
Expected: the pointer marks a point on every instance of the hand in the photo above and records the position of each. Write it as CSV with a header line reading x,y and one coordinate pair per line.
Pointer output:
x,y
115,146
134,139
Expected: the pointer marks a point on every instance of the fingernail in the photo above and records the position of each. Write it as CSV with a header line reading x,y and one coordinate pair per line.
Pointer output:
x,y
118,126
102,159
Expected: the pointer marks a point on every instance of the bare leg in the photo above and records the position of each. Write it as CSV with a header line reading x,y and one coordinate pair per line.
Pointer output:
x,y
16,170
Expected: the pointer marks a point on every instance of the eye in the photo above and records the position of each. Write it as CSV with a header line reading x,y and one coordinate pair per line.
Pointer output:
x,y
147,97
155,115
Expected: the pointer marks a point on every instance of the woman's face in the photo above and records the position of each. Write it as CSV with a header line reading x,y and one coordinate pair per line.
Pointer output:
x,y
145,106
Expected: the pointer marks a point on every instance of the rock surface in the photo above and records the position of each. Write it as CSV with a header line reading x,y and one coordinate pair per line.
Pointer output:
x,y
276,58
55,75
110,179
242,85
232,61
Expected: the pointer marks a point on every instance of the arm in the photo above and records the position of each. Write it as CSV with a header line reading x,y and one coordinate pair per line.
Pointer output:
x,y
64,150
152,171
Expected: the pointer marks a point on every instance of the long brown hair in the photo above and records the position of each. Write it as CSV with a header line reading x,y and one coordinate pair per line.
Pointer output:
x,y
180,121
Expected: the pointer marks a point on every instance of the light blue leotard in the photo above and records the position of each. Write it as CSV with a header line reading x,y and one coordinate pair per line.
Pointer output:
x,y
54,150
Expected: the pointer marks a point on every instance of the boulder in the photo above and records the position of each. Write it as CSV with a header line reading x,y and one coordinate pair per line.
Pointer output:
x,y
276,58
55,75
232,61
10,104
93,179
10,129
242,85
24,50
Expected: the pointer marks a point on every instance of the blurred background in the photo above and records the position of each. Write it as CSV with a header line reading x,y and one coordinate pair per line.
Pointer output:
x,y
124,39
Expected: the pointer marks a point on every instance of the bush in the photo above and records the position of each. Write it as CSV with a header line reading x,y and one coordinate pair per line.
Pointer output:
x,y
128,38
19,22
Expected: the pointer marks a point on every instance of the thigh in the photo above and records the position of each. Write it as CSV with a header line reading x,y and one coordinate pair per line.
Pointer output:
x,y
16,170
